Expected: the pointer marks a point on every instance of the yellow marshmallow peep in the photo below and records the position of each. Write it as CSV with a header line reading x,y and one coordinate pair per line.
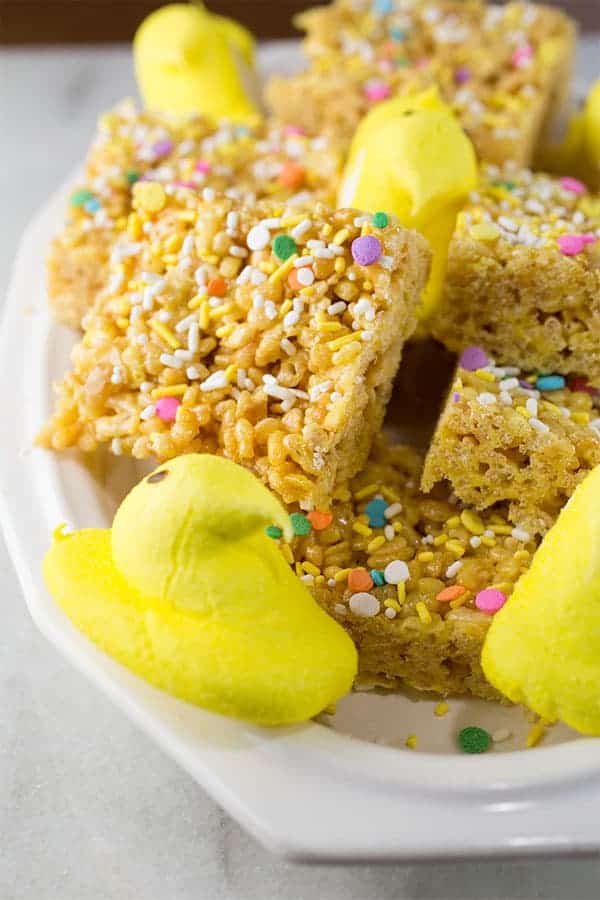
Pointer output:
x,y
543,646
410,157
190,61
189,592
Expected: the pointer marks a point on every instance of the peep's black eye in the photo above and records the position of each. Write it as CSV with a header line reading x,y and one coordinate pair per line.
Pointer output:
x,y
408,112
157,476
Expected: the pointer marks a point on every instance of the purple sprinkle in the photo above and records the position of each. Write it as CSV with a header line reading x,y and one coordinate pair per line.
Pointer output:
x,y
162,148
473,358
526,384
366,250
462,75
455,397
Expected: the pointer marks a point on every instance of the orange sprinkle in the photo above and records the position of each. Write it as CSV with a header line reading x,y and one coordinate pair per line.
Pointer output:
x,y
453,592
359,580
320,520
291,175
217,287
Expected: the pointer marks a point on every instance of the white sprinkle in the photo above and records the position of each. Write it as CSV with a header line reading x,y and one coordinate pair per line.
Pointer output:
x,y
307,579
208,195
361,220
396,572
271,223
389,533
303,261
200,276
390,613
565,411
323,253
520,534
232,220
487,399
116,446
364,604
505,398
287,346
509,384
488,533
117,375
453,568
270,310
532,406
318,389
115,282
194,372
365,308
475,541
257,277
336,308
339,608
148,412
277,391
214,382
163,315
135,314
186,355
258,237
258,301
427,539
386,262
508,224
291,318
392,510
500,735
184,324
539,425
146,387
301,229
239,252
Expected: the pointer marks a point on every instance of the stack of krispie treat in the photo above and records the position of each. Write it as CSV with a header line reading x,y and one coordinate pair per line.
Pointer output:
x,y
504,69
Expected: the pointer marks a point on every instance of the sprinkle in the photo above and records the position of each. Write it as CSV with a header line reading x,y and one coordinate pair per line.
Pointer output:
x,y
484,231
300,524
472,521
364,604
148,412
500,735
473,358
173,390
411,741
573,185
284,247
574,244
359,580
539,425
258,237
423,613
166,408
486,398
149,196
522,56
81,197
366,250
375,510
425,556
441,709
474,740
462,75
453,569
291,174
378,577
214,382
390,613
455,397
273,531
165,333
452,592
392,510
375,91
162,148
319,519
520,534
383,7
401,592
379,220
340,609
361,528
535,735
475,542
490,600
92,205
550,382
396,572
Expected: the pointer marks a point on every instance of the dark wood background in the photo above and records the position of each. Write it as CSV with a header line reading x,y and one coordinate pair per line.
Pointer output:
x,y
72,21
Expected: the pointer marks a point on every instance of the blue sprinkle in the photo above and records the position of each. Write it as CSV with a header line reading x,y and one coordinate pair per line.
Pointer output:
x,y
397,34
550,382
92,205
383,7
377,577
375,510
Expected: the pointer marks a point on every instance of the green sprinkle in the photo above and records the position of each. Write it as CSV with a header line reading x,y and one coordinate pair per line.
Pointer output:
x,y
131,177
300,524
508,185
474,740
273,531
81,197
380,220
284,246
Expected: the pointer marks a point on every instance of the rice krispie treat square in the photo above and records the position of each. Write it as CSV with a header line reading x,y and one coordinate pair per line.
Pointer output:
x,y
129,145
523,441
504,69
523,277
268,335
413,578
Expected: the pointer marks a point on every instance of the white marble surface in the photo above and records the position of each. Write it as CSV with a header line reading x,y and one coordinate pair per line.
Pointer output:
x,y
89,808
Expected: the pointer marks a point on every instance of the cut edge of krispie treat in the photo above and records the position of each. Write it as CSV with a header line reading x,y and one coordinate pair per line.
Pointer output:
x,y
268,335
505,70
129,144
414,579
523,277
523,441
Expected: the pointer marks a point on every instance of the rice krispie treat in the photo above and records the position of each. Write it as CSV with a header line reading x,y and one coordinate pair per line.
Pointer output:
x,y
504,69
265,161
524,441
414,579
268,335
523,277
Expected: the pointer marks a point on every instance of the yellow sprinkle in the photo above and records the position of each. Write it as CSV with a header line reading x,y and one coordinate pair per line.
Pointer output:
x,y
231,372
283,270
339,265
375,544
342,575
390,495
486,376
398,526
329,326
319,579
456,548
342,235
292,221
327,230
366,229
366,491
522,555
134,226
582,418
173,243
219,311
453,522
488,541
536,733
123,322
423,613
367,285
299,570
310,569
501,529
287,553
285,308
390,603
165,333
472,521
307,291
174,390
523,412
504,586
425,556
187,215
485,232
362,529
204,315
460,601
336,343
225,330
401,592
149,195
441,709
440,539
411,741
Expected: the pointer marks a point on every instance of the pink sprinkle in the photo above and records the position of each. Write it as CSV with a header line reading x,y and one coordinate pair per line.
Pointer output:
x,y
203,166
574,185
522,56
386,65
166,408
375,91
490,600
187,184
293,131
573,244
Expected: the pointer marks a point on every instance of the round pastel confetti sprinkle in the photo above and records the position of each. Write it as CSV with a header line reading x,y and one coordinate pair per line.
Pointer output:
x,y
293,131
550,382
319,519
166,408
366,250
378,577
380,220
375,510
291,174
396,572
473,358
573,244
490,600
462,75
375,91
132,176
383,7
284,246
258,237
273,531
573,185
473,739
522,56
397,34
203,167
80,198
359,580
162,148
92,205
364,604
455,397
300,524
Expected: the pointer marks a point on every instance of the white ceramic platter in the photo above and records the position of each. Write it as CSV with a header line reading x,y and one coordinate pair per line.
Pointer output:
x,y
346,790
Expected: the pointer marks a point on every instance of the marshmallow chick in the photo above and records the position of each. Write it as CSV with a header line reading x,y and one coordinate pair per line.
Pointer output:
x,y
410,157
189,592
577,151
543,646
189,61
